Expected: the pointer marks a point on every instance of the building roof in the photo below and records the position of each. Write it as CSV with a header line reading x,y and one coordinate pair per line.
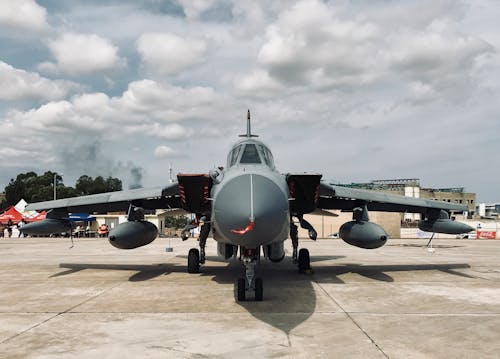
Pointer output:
x,y
398,184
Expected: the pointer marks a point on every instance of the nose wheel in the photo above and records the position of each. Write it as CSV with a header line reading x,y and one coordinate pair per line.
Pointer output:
x,y
249,283
259,289
241,289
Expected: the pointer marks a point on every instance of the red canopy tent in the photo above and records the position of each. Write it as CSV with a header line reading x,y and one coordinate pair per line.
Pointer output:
x,y
11,213
36,217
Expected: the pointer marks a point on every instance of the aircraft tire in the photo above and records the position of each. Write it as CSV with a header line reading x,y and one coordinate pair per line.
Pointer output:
x,y
240,288
194,260
259,290
304,260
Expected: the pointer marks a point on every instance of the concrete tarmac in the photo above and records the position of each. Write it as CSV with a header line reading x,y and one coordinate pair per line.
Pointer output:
x,y
398,301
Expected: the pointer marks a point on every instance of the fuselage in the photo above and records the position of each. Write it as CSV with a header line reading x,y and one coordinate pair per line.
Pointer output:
x,y
250,204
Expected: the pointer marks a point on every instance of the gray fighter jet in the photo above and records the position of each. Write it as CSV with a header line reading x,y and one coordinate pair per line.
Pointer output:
x,y
248,206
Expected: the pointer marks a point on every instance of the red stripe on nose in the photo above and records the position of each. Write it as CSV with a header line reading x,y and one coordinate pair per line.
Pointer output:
x,y
248,228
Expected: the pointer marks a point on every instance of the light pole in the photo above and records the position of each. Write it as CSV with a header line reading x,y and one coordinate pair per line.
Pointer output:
x,y
55,184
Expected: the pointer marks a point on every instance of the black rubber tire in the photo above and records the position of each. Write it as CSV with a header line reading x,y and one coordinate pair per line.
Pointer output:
x,y
194,260
240,289
259,290
304,260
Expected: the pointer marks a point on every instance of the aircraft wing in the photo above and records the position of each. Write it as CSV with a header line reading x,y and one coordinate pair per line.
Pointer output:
x,y
147,198
345,198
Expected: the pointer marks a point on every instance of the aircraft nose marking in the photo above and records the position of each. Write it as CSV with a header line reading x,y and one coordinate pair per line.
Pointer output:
x,y
250,208
252,218
248,228
251,225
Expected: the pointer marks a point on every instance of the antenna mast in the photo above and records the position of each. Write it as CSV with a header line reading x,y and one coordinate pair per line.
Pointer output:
x,y
249,130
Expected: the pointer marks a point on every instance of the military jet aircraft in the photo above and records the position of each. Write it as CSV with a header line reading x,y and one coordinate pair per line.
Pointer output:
x,y
248,206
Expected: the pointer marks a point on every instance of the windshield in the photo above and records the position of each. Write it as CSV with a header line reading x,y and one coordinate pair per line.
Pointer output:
x,y
233,156
250,154
266,155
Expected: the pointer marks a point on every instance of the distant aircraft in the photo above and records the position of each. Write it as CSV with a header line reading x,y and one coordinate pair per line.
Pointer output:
x,y
246,206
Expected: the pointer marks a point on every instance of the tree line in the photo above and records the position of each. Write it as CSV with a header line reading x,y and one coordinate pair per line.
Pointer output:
x,y
35,188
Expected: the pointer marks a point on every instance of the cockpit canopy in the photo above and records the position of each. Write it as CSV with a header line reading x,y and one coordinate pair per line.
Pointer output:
x,y
250,153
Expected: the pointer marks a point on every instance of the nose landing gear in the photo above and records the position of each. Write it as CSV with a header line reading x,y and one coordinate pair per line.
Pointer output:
x,y
250,257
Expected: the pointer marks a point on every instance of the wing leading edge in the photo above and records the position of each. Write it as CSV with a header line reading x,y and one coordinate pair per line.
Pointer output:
x,y
345,198
147,198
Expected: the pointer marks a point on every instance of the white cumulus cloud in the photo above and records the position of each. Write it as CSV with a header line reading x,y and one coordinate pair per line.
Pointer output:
x,y
193,8
166,102
164,152
83,53
258,83
359,80
23,14
167,53
315,46
310,45
17,84
436,65
146,109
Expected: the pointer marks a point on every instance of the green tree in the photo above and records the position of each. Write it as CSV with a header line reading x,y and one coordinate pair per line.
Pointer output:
x,y
113,184
41,188
86,185
17,188
66,192
83,185
34,188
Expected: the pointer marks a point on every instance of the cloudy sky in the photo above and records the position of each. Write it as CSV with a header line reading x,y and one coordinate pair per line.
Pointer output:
x,y
356,90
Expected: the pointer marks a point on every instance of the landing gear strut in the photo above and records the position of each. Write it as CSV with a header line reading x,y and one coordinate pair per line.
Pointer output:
x,y
306,225
294,235
303,260
250,258
195,256
204,232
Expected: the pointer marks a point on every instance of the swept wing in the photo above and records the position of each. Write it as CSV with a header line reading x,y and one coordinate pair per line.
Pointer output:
x,y
345,198
147,198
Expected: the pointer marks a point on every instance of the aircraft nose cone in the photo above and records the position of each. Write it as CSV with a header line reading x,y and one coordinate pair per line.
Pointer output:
x,y
243,196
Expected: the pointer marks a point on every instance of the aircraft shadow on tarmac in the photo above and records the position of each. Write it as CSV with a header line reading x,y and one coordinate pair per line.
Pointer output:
x,y
414,245
144,272
289,297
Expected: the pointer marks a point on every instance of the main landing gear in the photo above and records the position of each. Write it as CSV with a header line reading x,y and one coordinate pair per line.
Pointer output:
x,y
250,257
194,260
195,256
303,259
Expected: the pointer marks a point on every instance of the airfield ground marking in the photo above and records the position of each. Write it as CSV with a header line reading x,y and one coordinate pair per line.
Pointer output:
x,y
352,319
59,313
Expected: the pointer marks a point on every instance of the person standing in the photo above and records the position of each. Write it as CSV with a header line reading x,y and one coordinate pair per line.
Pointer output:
x,y
9,228
20,228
